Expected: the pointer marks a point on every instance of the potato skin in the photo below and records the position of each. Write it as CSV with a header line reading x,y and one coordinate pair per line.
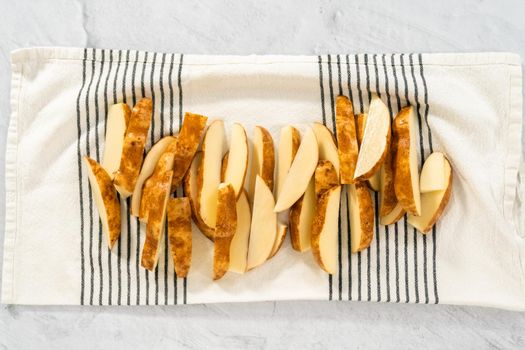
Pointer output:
x,y
346,138
442,205
268,160
189,139
366,215
224,230
402,175
109,196
133,148
318,223
325,177
179,234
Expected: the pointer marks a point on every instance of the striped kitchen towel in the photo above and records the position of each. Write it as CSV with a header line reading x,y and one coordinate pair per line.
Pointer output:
x,y
469,106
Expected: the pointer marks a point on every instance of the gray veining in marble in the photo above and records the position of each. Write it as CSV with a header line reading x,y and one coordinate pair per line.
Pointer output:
x,y
262,27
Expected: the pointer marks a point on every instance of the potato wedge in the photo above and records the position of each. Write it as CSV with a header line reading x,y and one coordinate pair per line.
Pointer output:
x,y
301,217
190,191
394,216
279,239
156,220
106,200
376,140
433,203
387,193
326,177
164,164
237,164
406,176
346,138
361,210
146,171
209,172
374,182
263,227
300,173
116,125
289,142
325,229
239,244
434,174
133,148
225,229
179,234
262,159
189,138
327,145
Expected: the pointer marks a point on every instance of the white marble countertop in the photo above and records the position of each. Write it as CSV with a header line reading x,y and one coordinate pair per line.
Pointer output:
x,y
245,27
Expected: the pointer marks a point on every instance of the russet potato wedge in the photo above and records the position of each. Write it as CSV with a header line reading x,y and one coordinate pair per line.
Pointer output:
x,y
325,177
361,210
263,226
289,142
106,200
376,140
406,175
156,220
226,226
239,244
327,145
387,193
325,229
301,217
433,174
433,204
300,172
346,138
148,166
133,148
179,234
374,182
189,138
394,216
262,159
164,164
209,172
237,161
190,191
116,125
279,239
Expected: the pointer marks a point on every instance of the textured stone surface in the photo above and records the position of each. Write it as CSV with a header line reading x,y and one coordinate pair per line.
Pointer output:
x,y
245,27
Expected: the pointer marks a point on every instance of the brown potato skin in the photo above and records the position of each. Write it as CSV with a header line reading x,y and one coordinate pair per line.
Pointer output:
x,y
268,161
155,221
325,177
296,141
366,215
134,143
109,196
402,177
361,123
224,230
348,148
294,219
224,165
442,205
162,166
194,201
388,199
189,138
179,234
317,225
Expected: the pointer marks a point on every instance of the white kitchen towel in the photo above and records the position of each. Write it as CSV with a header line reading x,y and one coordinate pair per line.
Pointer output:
x,y
468,105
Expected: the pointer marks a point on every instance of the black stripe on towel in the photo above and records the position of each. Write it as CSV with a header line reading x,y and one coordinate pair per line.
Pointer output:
x,y
339,237
90,195
434,272
422,157
323,113
361,109
80,181
387,235
396,228
119,243
376,214
368,267
170,86
349,240
106,109
97,152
